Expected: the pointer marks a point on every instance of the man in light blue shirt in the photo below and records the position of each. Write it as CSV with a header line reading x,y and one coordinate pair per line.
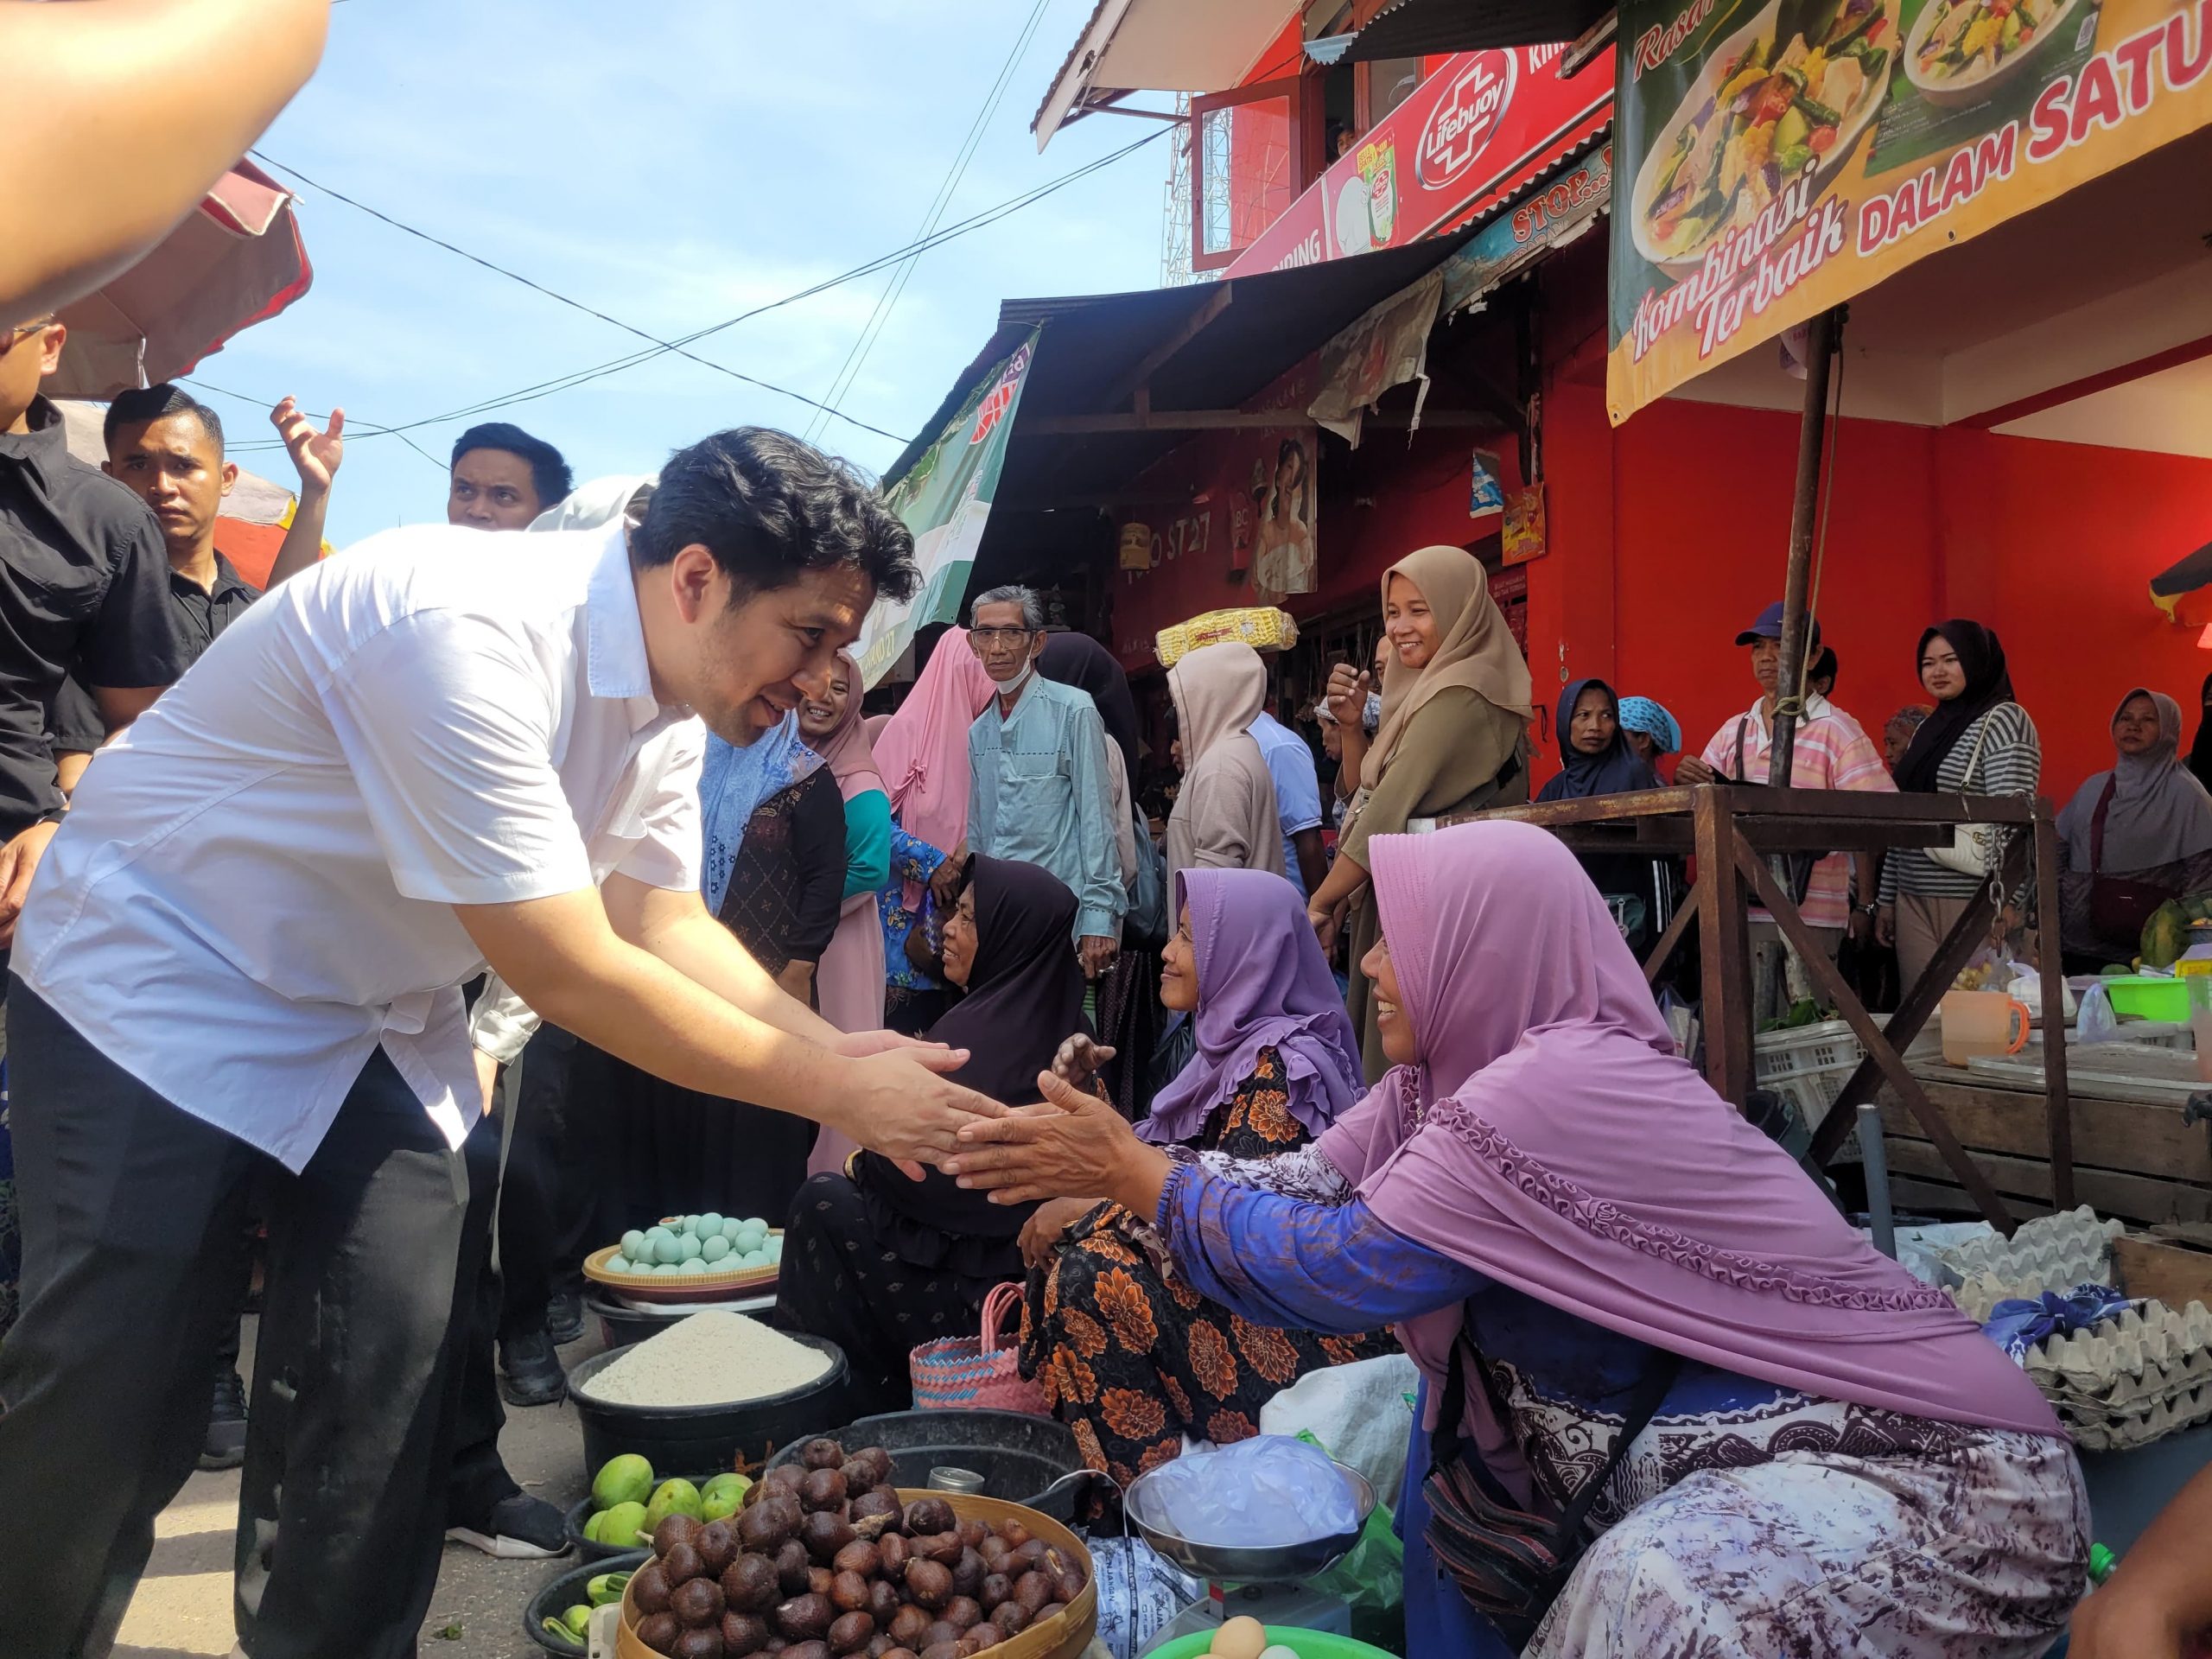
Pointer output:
x,y
1038,784
1298,799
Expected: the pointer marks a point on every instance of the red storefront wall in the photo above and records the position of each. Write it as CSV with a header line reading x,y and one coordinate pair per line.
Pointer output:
x,y
1667,534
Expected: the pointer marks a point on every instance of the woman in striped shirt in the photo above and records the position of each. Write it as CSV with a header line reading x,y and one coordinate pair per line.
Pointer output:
x,y
1979,742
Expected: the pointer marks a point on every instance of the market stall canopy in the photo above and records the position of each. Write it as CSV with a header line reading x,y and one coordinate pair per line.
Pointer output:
x,y
1414,28
237,259
256,513
1120,379
1171,46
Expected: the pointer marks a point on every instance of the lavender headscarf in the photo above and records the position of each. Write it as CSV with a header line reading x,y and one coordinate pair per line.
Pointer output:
x,y
1548,1138
1262,982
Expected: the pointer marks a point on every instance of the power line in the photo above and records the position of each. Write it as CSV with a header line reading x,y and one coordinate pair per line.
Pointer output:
x,y
563,299
615,366
361,428
887,302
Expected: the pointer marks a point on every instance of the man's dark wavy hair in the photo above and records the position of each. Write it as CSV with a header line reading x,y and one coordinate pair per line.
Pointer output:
x,y
771,508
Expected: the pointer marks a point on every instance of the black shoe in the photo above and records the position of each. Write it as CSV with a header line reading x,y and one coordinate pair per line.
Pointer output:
x,y
564,1318
519,1528
529,1371
224,1445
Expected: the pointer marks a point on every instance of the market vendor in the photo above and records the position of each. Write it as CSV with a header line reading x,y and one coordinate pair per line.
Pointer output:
x,y
1126,1353
2134,837
1574,1237
242,960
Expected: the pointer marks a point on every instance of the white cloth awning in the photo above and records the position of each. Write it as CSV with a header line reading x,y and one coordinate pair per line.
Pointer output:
x,y
1173,46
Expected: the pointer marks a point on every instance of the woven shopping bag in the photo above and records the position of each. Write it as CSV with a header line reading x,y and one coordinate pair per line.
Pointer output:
x,y
975,1373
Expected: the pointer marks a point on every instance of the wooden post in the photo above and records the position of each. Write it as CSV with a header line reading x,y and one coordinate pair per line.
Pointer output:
x,y
1826,331
2057,1105
1725,949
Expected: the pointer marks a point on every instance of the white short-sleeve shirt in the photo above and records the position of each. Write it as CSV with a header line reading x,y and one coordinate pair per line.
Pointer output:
x,y
254,886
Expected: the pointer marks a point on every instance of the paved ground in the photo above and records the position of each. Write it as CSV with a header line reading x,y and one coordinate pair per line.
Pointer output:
x,y
183,1606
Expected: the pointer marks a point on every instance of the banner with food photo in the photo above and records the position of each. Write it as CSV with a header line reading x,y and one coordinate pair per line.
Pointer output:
x,y
1782,155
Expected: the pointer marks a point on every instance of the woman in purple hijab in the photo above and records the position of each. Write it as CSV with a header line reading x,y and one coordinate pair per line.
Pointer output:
x,y
1130,1356
1541,1198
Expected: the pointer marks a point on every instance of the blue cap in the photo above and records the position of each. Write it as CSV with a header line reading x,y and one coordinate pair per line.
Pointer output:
x,y
1768,626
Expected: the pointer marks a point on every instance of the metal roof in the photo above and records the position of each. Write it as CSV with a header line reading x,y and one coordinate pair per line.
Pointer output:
x,y
1418,28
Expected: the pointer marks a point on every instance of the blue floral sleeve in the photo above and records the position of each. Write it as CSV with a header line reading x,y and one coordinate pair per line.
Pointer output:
x,y
1287,1262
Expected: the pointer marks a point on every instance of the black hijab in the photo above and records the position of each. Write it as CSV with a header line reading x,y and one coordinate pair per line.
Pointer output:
x,y
1024,997
1614,770
1981,656
2200,753
1078,660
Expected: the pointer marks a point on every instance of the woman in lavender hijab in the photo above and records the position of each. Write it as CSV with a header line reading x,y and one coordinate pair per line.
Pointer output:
x,y
1129,1355
1571,1233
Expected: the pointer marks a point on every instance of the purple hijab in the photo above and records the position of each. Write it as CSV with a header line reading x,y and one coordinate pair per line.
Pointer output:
x,y
1262,982
1548,1138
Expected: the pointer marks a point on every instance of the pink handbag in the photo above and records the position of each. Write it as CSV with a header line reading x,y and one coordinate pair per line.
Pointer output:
x,y
975,1373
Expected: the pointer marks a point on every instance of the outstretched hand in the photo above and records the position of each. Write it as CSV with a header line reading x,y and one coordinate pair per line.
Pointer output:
x,y
316,455
1080,1058
902,1108
1072,1145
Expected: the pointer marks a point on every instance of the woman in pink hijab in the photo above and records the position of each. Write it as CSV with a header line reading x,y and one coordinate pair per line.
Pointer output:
x,y
1553,1208
848,981
922,754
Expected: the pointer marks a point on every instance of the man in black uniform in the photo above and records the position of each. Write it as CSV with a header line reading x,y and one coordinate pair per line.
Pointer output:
x,y
82,580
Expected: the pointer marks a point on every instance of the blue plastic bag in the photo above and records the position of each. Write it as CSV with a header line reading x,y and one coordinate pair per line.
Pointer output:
x,y
1259,1493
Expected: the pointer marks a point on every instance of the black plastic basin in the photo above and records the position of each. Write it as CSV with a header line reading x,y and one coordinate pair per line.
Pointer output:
x,y
564,1590
1017,1455
742,1437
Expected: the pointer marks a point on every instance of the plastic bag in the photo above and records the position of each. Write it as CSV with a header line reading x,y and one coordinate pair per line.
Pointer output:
x,y
2097,1023
1985,971
1139,1590
1355,1412
1259,1493
1372,1577
2025,987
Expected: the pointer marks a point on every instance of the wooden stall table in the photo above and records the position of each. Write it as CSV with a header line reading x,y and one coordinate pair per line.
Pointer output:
x,y
1734,831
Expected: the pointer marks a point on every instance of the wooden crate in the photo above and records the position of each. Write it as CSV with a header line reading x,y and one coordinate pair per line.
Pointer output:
x,y
2132,1159
2170,1272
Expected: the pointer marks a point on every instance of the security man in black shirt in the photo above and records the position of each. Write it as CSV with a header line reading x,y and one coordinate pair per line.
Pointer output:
x,y
83,580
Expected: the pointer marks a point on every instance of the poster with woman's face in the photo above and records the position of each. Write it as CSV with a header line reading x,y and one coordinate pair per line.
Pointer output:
x,y
1283,560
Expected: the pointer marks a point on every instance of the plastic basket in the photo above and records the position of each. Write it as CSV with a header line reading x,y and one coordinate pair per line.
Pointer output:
x,y
975,1373
1807,1065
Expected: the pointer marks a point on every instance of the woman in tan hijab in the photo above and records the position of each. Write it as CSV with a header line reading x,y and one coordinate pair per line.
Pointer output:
x,y
1224,815
1455,711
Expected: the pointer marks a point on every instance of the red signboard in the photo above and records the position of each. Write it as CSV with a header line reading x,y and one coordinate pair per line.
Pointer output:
x,y
1481,127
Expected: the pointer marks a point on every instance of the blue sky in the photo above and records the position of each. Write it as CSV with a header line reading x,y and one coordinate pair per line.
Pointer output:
x,y
670,162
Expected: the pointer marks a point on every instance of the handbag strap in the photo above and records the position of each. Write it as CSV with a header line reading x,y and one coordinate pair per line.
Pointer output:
x,y
2097,824
1742,726
1980,736
1644,1403
995,1306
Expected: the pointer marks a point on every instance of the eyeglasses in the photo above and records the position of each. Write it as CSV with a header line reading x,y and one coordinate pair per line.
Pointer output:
x,y
10,337
983,639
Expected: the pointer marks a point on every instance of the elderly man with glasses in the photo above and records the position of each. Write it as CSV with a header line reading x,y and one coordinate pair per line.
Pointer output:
x,y
1039,791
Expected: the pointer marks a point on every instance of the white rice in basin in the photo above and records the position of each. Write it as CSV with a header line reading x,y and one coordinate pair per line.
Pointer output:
x,y
713,1358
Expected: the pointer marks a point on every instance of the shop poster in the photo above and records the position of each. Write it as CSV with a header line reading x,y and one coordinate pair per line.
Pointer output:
x,y
1779,156
1272,500
945,498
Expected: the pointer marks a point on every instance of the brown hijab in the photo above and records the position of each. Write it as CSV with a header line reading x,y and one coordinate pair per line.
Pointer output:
x,y
1474,650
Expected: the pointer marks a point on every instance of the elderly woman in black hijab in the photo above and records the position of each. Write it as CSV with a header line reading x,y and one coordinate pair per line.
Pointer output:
x,y
1979,742
1596,759
880,1264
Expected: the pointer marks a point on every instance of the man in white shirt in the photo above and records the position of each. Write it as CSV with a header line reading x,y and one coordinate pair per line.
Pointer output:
x,y
242,958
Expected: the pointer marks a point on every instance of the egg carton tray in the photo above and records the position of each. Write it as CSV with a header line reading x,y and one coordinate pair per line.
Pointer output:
x,y
2150,1353
2126,1432
2060,1251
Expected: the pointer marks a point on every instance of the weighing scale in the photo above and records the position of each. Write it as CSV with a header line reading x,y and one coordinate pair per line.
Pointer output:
x,y
1269,1584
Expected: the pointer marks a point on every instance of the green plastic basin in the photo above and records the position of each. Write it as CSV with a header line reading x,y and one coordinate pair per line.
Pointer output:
x,y
1306,1645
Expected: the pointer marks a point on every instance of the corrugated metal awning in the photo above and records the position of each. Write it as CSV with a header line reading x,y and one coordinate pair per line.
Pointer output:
x,y
1414,28
1171,46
